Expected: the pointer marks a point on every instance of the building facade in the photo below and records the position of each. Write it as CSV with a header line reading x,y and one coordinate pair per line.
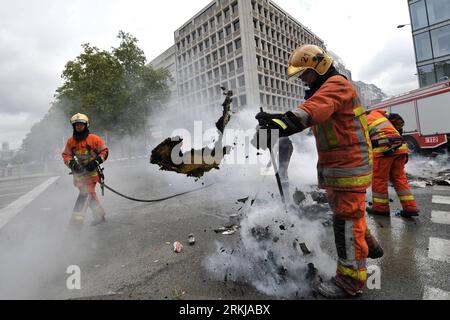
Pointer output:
x,y
241,45
430,21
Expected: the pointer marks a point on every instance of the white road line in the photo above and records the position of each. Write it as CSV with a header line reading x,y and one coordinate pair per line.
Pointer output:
x,y
442,217
431,293
441,200
439,249
441,188
9,212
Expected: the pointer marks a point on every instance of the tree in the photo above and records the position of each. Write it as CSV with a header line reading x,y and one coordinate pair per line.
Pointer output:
x,y
116,89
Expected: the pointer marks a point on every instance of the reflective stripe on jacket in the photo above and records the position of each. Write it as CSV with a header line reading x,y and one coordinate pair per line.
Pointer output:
x,y
386,139
340,126
85,151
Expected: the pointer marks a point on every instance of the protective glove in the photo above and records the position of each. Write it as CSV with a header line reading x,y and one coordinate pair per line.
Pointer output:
x,y
76,167
92,165
287,124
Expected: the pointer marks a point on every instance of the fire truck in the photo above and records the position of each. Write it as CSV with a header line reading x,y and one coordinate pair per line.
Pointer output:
x,y
426,112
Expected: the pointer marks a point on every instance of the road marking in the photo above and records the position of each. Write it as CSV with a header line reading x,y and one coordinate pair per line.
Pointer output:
x,y
441,200
442,217
441,188
431,293
439,249
9,212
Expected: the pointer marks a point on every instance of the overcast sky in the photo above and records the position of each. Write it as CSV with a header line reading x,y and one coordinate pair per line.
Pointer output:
x,y
37,38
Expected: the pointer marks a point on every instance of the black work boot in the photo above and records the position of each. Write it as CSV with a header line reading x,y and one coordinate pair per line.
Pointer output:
x,y
409,214
375,250
378,213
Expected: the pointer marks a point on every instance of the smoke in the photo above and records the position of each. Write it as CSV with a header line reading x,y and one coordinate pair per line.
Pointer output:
x,y
268,255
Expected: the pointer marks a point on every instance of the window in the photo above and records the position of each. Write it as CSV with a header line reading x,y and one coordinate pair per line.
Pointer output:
x,y
219,18
216,72
220,34
230,48
228,30
212,23
208,59
418,15
222,52
440,39
213,39
423,46
207,43
231,66
214,56
210,75
438,10
427,75
234,7
223,69
241,81
443,70
238,44
226,13
200,47
236,25
205,27
239,63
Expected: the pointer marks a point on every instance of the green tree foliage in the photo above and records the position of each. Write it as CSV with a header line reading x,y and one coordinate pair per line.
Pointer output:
x,y
116,89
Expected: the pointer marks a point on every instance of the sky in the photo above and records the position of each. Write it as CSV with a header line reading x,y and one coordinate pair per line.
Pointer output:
x,y
37,38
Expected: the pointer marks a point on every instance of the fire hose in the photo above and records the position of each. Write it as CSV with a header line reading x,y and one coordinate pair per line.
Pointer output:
x,y
104,186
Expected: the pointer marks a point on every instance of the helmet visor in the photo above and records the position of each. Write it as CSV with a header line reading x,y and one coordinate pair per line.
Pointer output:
x,y
294,77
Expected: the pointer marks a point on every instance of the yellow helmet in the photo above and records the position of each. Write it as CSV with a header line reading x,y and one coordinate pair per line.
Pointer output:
x,y
308,57
80,118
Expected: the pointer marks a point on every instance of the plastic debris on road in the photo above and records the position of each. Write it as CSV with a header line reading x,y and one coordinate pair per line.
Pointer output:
x,y
177,246
191,239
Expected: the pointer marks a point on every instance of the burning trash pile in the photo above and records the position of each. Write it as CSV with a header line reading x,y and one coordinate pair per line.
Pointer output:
x,y
428,173
277,252
194,163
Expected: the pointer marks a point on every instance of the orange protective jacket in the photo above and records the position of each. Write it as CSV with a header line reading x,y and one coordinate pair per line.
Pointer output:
x,y
386,140
340,126
85,150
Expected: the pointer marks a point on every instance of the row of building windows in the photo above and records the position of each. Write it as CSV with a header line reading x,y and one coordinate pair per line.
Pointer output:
x,y
212,39
432,44
222,70
214,56
277,102
195,85
286,25
217,21
276,83
428,12
435,72
267,63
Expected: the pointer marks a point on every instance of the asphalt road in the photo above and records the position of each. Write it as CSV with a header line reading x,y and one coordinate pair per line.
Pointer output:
x,y
131,256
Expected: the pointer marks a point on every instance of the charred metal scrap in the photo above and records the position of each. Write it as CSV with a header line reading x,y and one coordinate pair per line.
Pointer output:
x,y
194,163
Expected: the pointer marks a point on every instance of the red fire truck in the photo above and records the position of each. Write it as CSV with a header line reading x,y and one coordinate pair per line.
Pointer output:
x,y
426,112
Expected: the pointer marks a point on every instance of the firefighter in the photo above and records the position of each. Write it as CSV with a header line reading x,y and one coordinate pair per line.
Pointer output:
x,y
390,156
333,110
83,154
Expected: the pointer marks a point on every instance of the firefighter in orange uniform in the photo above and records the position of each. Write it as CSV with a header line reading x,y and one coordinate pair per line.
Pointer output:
x,y
390,156
83,154
333,110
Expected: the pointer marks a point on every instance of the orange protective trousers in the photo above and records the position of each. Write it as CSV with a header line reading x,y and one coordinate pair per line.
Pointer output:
x,y
391,168
87,197
350,230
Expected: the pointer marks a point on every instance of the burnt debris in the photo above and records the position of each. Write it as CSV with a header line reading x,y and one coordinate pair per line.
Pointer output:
x,y
194,163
